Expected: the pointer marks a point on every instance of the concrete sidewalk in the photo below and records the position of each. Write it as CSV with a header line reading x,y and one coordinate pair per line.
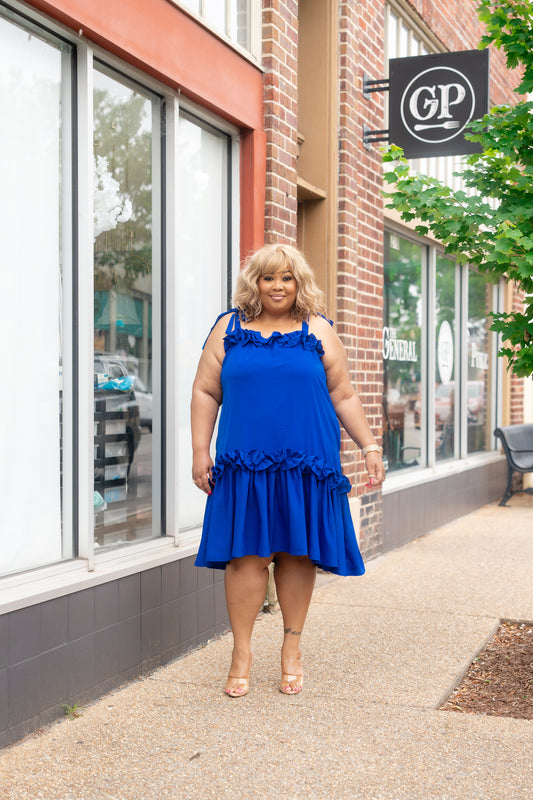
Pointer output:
x,y
381,652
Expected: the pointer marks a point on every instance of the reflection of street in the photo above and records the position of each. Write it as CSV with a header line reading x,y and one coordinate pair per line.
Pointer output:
x,y
402,438
140,477
130,519
412,436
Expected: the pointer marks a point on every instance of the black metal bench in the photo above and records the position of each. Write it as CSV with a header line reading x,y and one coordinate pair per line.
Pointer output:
x,y
517,442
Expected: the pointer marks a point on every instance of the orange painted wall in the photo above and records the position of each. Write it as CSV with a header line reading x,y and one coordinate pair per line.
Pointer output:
x,y
166,43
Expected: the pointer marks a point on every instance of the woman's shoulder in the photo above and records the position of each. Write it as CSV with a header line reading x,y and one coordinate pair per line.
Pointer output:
x,y
332,346
220,327
320,325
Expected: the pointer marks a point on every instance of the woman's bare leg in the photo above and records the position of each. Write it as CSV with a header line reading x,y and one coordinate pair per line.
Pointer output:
x,y
295,580
246,584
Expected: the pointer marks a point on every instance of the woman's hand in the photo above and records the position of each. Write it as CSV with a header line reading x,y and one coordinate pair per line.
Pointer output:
x,y
205,402
375,468
201,472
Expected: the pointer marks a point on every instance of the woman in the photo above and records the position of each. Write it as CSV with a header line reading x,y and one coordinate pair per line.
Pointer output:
x,y
276,490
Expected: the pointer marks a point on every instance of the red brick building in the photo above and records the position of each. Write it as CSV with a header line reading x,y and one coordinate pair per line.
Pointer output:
x,y
153,144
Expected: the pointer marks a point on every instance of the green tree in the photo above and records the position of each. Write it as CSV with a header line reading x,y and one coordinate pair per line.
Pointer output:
x,y
491,224
123,137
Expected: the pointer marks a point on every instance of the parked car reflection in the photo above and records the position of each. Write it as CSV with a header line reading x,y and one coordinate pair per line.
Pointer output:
x,y
444,403
110,369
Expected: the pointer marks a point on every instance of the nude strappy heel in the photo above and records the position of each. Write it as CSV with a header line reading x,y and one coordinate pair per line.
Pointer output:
x,y
239,689
241,686
291,684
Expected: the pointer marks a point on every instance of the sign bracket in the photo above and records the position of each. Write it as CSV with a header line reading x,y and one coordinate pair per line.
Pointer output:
x,y
369,86
370,136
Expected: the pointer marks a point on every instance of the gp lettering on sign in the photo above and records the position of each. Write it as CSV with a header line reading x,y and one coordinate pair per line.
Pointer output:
x,y
426,102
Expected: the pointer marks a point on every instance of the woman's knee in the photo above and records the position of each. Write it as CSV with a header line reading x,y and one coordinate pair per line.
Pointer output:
x,y
250,563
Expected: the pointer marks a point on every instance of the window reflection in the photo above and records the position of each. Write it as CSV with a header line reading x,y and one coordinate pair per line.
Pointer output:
x,y
479,363
402,338
123,448
446,407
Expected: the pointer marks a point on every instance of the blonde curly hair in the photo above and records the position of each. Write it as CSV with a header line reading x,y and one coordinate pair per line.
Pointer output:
x,y
270,259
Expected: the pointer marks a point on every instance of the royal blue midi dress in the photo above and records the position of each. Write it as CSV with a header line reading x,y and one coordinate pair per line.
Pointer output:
x,y
278,484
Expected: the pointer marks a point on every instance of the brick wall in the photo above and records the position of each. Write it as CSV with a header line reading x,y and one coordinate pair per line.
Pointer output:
x,y
280,54
360,237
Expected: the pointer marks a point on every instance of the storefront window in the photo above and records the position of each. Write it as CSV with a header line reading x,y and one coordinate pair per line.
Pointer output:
x,y
403,418
439,400
446,359
123,307
203,237
479,363
35,79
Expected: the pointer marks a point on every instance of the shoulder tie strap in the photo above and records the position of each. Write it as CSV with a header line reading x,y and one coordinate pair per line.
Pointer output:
x,y
230,323
235,322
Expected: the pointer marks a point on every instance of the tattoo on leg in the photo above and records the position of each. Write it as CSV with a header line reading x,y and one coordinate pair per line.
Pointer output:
x,y
290,631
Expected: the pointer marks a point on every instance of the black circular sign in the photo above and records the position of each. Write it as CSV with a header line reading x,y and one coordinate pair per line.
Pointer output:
x,y
437,104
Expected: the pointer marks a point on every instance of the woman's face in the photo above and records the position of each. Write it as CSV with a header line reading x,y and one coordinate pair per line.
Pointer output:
x,y
277,291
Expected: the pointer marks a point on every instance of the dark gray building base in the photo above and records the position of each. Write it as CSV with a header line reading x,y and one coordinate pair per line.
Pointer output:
x,y
77,647
411,512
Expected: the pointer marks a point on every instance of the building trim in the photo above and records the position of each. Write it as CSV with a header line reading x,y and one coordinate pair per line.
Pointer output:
x,y
169,31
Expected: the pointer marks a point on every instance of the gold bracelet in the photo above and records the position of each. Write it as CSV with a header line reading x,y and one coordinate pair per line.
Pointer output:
x,y
370,448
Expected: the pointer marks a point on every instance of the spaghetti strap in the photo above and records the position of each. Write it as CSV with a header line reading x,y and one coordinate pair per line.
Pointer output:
x,y
230,323
235,322
305,326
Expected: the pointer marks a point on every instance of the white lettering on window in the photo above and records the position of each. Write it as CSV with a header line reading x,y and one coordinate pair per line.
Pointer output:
x,y
398,349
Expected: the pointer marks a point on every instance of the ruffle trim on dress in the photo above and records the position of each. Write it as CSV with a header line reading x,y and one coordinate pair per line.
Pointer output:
x,y
246,336
284,460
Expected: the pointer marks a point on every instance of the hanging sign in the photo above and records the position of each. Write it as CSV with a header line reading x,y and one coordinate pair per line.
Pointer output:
x,y
432,98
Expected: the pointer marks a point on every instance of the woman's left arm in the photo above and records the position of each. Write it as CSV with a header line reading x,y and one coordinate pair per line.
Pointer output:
x,y
346,401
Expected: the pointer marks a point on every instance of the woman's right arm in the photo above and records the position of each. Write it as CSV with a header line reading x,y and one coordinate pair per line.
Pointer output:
x,y
206,399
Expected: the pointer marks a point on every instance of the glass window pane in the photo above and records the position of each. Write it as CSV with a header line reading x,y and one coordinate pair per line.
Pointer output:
x,y
215,12
402,337
33,141
446,405
194,5
479,364
202,246
123,446
239,22
392,36
403,45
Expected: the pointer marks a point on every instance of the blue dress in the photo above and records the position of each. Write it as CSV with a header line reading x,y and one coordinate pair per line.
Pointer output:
x,y
277,473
